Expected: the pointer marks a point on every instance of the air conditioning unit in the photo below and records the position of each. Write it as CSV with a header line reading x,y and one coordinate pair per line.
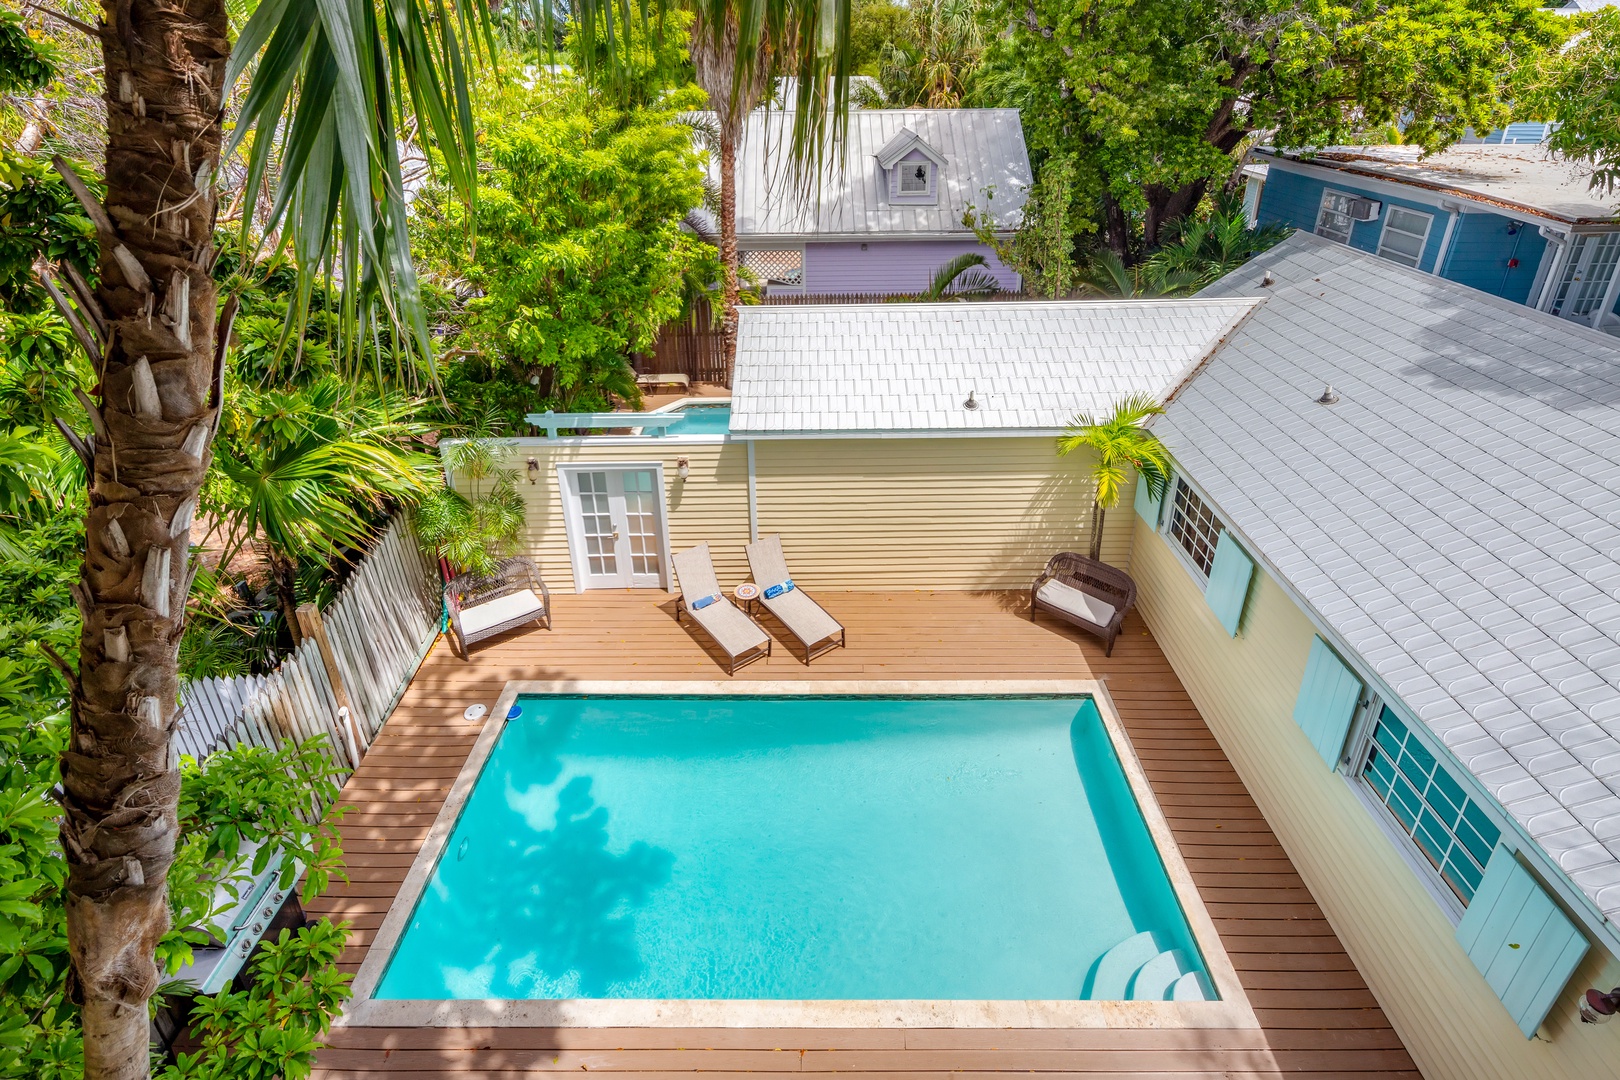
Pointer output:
x,y
1363,209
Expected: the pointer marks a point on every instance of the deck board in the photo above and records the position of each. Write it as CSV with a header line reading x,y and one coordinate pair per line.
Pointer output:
x,y
1318,1019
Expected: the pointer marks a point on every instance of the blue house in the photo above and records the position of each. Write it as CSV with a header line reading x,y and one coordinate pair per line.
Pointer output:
x,y
1516,221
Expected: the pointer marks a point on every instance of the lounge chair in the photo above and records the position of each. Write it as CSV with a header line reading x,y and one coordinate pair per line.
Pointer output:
x,y
481,607
807,620
666,379
701,598
1092,595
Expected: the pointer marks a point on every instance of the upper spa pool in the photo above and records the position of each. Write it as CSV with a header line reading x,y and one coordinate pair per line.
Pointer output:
x,y
701,419
799,848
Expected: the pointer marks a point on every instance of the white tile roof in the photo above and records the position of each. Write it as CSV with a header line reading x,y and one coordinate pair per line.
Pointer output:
x,y
982,148
865,369
1454,519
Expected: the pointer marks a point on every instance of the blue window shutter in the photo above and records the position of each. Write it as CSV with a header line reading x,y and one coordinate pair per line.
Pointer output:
x,y
1520,939
1229,577
1147,507
1327,701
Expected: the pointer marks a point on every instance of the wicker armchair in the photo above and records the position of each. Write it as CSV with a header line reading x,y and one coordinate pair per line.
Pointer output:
x,y
481,607
1092,595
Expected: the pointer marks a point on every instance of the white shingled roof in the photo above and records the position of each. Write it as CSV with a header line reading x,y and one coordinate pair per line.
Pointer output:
x,y
981,148
865,369
1504,176
1454,519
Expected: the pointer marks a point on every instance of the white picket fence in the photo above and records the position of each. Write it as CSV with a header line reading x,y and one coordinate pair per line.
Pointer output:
x,y
380,626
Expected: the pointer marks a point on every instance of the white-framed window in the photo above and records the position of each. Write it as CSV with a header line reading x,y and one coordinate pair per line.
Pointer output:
x,y
1405,233
781,269
1425,803
914,177
1333,221
1194,528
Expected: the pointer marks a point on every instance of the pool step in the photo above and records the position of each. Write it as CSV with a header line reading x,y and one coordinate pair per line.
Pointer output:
x,y
1114,971
1140,968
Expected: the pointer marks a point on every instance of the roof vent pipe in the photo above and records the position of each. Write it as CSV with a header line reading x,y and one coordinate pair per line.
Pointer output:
x,y
1329,396
1268,281
970,404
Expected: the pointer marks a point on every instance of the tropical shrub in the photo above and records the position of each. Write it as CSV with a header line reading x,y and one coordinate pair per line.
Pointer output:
x,y
580,256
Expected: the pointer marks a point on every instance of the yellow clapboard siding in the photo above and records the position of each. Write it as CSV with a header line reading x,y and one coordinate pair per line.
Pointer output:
x,y
940,513
1394,930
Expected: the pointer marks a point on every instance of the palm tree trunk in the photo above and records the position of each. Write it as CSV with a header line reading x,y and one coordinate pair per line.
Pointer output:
x,y
1097,514
284,577
154,415
729,288
714,62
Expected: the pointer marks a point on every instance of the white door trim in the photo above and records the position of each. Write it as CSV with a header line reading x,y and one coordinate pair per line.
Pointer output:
x,y
574,529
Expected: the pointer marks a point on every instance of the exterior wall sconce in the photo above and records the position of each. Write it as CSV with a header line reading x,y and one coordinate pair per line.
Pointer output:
x,y
683,468
534,470
1598,1007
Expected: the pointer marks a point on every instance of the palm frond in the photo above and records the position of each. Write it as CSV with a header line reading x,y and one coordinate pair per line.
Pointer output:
x,y
335,83
961,277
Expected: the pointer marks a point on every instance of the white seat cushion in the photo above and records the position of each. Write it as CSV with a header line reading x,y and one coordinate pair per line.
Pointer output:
x,y
501,609
1079,604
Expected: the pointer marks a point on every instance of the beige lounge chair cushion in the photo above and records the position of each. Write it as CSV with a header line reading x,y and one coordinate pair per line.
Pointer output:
x,y
502,609
731,629
1081,605
807,619
671,379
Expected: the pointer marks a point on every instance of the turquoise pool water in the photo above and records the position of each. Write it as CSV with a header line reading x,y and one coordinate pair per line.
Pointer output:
x,y
789,848
702,420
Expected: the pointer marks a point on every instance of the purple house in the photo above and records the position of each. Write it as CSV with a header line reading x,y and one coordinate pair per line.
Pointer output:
x,y
891,216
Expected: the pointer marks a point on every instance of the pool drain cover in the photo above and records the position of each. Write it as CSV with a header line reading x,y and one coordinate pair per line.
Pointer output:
x,y
474,712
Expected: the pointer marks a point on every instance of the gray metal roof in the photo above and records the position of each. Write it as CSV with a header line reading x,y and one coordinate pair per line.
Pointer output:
x,y
874,369
1508,177
1454,519
982,148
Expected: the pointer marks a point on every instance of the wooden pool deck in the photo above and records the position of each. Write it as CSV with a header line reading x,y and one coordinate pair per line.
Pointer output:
x,y
1317,1017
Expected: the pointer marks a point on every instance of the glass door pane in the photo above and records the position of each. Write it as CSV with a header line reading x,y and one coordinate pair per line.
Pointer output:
x,y
596,526
641,526
1587,274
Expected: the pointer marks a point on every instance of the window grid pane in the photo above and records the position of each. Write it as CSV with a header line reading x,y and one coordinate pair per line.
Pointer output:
x,y
1334,221
914,178
1447,826
1405,232
596,519
1194,526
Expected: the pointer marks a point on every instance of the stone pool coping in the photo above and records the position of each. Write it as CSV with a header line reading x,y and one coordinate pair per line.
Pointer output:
x,y
1231,1011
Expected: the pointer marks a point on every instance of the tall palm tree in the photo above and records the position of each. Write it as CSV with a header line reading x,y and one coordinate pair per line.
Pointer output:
x,y
1120,442
333,82
739,49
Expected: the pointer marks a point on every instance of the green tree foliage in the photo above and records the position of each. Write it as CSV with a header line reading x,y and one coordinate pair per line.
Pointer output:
x,y
1121,444
1579,86
1151,99
580,257
26,62
873,25
932,62
309,471
1041,251
1209,247
271,1030
472,529
38,219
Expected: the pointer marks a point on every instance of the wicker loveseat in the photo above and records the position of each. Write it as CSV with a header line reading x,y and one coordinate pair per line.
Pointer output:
x,y
481,607
1092,595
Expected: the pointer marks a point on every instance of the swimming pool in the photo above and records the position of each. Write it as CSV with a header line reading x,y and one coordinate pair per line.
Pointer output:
x,y
701,419
798,848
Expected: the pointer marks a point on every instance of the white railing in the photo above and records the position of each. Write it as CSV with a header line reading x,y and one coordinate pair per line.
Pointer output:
x,y
378,630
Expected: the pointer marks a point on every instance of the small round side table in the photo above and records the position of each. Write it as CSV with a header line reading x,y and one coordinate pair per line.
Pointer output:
x,y
747,593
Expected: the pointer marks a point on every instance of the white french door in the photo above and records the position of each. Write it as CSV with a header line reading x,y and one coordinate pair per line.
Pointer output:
x,y
1588,274
615,526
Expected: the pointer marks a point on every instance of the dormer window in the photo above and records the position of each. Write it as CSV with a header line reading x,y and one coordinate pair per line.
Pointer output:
x,y
911,169
914,176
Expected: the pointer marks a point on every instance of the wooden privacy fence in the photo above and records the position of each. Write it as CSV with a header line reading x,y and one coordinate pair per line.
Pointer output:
x,y
356,659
